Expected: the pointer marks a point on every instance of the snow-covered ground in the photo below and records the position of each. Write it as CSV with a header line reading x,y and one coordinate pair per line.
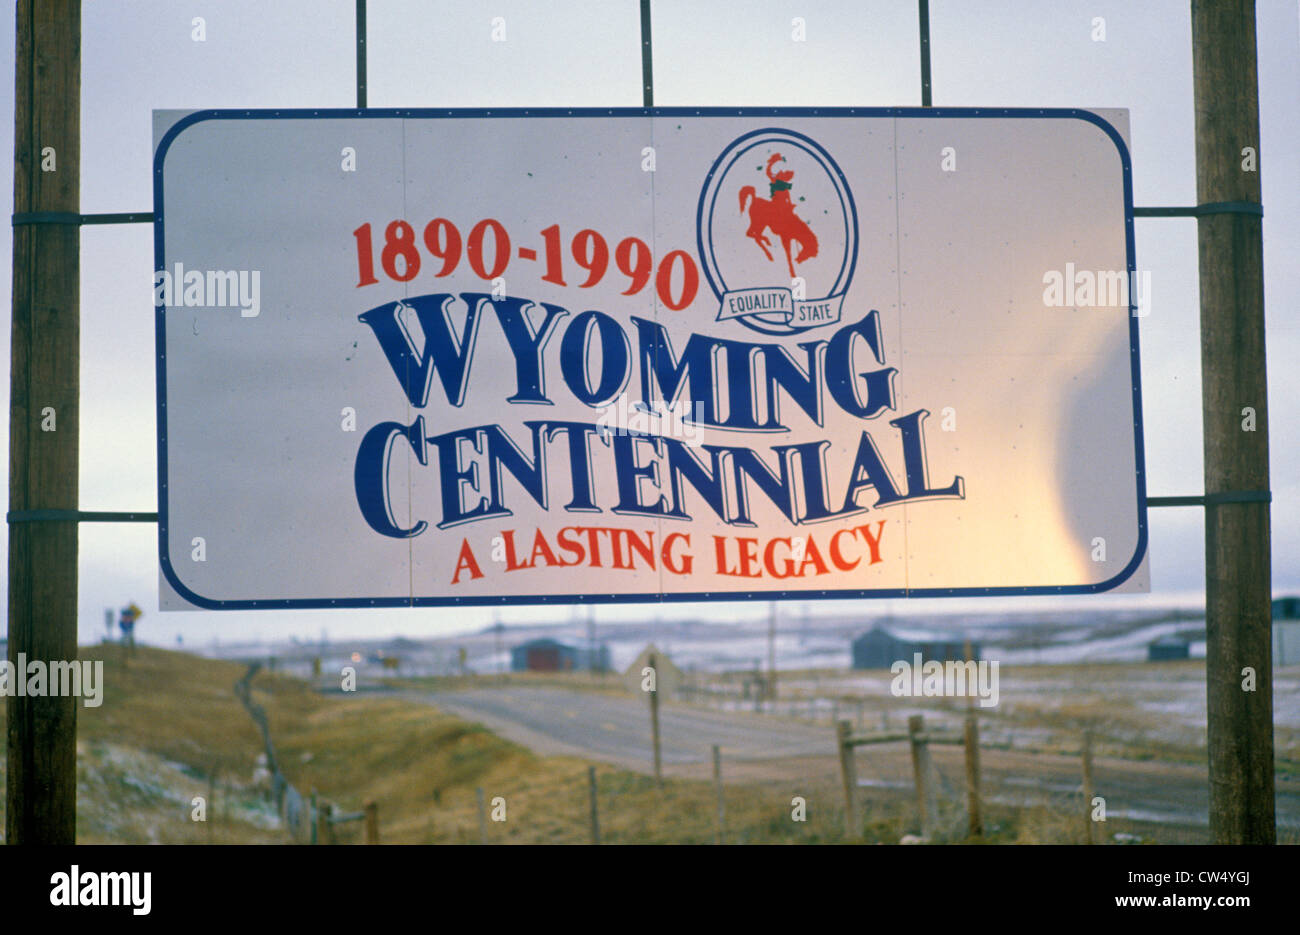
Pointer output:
x,y
802,641
1153,703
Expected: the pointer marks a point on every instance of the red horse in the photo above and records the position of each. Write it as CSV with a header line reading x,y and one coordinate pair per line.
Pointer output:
x,y
778,214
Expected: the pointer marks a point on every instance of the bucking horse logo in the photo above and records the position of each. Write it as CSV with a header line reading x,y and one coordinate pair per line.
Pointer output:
x,y
778,216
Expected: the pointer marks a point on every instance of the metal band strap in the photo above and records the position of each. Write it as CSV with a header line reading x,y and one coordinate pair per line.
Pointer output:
x,y
1215,499
923,22
1211,207
72,218
647,58
361,54
77,516
1239,496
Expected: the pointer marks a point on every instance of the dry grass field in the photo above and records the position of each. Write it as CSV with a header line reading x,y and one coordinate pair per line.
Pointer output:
x,y
171,729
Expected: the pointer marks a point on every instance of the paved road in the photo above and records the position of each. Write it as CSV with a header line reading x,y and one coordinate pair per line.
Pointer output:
x,y
616,729
771,748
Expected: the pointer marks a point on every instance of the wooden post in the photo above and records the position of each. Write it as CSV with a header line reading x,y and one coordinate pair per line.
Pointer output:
x,y
722,802
654,721
324,827
1088,824
314,837
45,340
974,819
771,649
1234,388
211,813
595,804
849,773
923,772
482,815
372,822
974,816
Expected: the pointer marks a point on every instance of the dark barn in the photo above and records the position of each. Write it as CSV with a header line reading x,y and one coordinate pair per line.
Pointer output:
x,y
1286,608
880,648
1167,648
548,655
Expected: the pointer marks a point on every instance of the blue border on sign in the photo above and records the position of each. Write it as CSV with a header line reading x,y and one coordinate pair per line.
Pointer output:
x,y
751,112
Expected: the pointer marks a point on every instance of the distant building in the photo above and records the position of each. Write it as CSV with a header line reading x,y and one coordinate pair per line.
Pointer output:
x,y
548,655
1169,647
1286,608
880,648
668,678
1286,642
1286,631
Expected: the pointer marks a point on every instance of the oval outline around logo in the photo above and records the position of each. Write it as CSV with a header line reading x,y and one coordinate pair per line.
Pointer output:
x,y
708,200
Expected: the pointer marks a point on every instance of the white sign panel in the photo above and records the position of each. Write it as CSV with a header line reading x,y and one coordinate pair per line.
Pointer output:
x,y
469,357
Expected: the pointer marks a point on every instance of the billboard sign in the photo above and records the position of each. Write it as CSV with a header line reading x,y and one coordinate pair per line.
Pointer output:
x,y
467,357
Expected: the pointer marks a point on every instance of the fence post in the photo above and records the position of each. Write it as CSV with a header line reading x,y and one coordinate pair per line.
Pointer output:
x,y
595,812
922,769
372,822
717,783
211,814
1087,788
974,818
324,831
654,719
482,815
849,773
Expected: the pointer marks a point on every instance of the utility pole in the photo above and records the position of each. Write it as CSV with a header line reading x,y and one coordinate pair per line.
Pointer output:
x,y
41,791
654,720
498,628
1238,590
771,649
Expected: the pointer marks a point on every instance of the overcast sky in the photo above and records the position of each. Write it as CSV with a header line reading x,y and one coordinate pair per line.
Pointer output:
x,y
140,55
